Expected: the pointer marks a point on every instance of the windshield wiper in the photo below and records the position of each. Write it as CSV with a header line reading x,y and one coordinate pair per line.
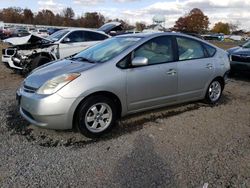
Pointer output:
x,y
82,59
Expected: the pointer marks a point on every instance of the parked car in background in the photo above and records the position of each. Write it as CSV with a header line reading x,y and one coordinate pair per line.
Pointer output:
x,y
7,32
218,37
240,58
120,76
35,51
40,32
20,33
53,30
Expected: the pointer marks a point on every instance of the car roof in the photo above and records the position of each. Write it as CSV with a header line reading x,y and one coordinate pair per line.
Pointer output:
x,y
151,35
155,34
84,29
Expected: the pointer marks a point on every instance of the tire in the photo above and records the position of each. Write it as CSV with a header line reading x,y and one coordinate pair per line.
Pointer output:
x,y
96,116
38,61
214,91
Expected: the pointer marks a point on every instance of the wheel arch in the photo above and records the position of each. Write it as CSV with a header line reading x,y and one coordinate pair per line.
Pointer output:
x,y
107,94
45,54
221,80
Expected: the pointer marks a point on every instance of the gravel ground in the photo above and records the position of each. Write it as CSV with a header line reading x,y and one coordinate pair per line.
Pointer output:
x,y
190,145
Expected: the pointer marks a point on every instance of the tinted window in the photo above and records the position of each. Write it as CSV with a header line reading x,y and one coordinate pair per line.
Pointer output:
x,y
76,36
157,50
189,49
210,50
57,35
93,36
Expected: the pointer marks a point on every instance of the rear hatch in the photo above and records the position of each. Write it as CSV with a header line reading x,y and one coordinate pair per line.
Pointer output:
x,y
111,28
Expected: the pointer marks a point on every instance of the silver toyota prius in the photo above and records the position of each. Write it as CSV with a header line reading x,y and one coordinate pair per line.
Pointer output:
x,y
120,76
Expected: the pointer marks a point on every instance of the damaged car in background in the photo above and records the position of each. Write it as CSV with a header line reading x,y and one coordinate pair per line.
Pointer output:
x,y
27,53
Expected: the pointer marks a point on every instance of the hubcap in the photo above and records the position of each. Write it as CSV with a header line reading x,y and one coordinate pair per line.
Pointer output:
x,y
214,91
98,117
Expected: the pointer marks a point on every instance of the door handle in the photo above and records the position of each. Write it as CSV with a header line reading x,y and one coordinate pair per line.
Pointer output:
x,y
209,66
172,72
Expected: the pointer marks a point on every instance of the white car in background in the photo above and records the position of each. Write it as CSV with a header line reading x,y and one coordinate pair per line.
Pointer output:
x,y
27,53
41,32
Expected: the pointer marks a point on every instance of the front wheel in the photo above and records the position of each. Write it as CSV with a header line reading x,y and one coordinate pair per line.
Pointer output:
x,y
96,116
214,92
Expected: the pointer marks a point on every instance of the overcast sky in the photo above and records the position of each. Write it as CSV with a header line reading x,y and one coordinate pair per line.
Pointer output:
x,y
143,10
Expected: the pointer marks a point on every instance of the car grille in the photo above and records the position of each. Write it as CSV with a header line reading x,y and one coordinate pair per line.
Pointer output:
x,y
241,58
29,89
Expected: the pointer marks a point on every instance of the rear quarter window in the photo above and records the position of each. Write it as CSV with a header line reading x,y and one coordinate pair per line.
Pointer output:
x,y
210,50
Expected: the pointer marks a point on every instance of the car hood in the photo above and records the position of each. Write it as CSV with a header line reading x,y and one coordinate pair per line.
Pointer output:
x,y
44,73
239,51
25,40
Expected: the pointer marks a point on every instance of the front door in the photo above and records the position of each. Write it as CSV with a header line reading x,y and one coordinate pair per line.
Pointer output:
x,y
73,43
156,83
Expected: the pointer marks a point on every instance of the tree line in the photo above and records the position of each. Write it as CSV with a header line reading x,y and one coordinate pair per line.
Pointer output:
x,y
47,17
193,22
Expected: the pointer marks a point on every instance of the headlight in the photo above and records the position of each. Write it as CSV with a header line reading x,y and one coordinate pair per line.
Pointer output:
x,y
57,83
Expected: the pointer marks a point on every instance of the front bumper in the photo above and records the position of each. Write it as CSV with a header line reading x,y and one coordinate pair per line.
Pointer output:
x,y
52,112
8,60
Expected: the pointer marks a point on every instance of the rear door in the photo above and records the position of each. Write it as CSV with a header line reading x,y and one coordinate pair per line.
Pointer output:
x,y
195,69
155,84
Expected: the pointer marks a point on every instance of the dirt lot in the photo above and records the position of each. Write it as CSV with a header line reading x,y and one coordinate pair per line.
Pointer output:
x,y
190,145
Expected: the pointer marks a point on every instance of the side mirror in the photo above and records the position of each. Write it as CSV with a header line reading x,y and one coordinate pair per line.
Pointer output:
x,y
66,40
139,61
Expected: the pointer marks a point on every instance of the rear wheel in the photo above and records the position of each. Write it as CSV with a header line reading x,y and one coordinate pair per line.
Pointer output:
x,y
96,116
214,92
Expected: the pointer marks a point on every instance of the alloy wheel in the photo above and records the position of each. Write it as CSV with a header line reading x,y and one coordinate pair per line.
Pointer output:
x,y
98,117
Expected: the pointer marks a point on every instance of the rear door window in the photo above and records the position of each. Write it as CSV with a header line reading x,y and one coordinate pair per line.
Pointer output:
x,y
189,49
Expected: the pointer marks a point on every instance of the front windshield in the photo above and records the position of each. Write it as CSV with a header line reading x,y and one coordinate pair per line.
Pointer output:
x,y
108,49
246,45
57,35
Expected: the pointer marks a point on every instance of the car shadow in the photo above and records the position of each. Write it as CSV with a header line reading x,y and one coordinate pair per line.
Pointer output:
x,y
70,138
241,76
142,167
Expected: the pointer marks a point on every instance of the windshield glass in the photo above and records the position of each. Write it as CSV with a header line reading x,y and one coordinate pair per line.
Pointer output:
x,y
57,35
108,49
246,45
